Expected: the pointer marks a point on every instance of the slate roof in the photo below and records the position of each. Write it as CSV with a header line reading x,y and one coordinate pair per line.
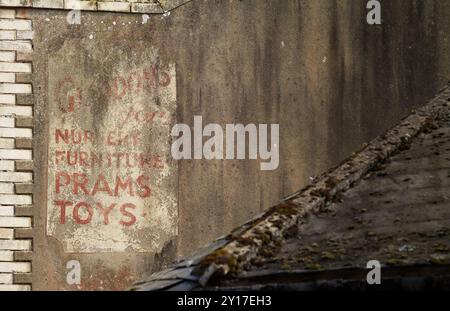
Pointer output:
x,y
389,202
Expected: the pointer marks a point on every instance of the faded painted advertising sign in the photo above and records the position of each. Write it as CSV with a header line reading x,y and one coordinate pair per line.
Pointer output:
x,y
111,179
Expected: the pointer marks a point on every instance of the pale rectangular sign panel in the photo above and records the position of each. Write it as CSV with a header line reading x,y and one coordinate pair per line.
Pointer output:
x,y
111,179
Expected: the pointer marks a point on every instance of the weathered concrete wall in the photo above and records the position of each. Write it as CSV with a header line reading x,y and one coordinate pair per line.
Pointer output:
x,y
330,80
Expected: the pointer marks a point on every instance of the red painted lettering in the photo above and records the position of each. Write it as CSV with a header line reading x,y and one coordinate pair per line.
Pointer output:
x,y
127,184
80,181
105,188
144,186
62,205
105,212
132,218
59,183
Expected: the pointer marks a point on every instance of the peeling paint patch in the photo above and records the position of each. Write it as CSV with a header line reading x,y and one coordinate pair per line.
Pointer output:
x,y
111,179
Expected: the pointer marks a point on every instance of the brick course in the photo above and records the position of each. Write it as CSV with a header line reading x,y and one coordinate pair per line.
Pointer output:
x,y
16,152
130,6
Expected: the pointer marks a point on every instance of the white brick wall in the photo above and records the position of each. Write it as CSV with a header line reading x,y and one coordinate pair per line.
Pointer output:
x,y
15,110
15,35
6,165
6,233
6,278
16,177
6,187
15,24
15,154
6,143
15,67
8,98
7,35
15,267
25,35
132,6
114,6
7,13
14,132
15,199
15,88
16,2
9,45
7,77
80,5
15,222
7,56
15,245
6,122
7,211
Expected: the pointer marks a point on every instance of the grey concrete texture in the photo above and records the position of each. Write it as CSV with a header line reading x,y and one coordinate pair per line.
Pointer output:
x,y
317,68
